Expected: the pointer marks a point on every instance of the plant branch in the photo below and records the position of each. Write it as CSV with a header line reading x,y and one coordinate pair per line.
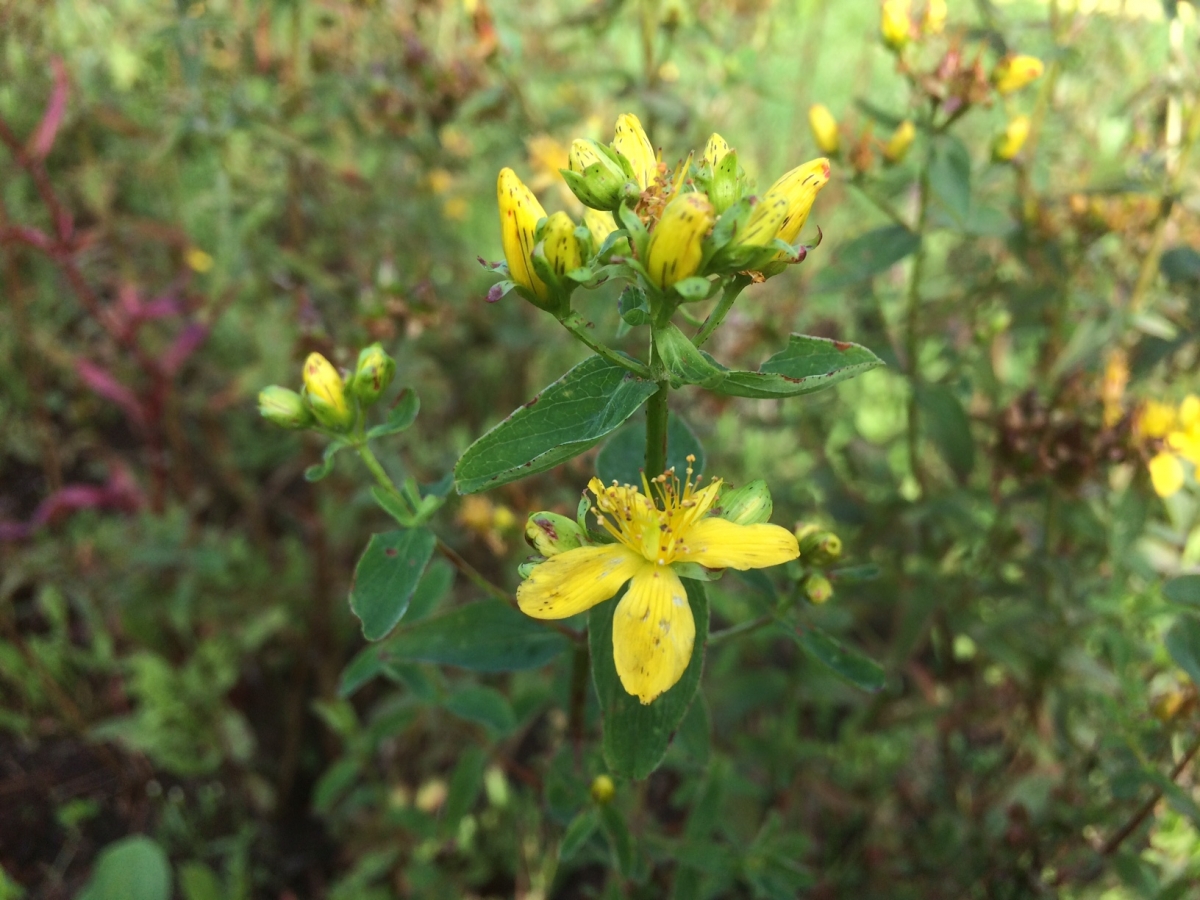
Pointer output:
x,y
717,316
575,324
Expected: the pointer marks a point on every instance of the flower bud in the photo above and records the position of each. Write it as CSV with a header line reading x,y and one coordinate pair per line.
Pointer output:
x,y
326,394
519,214
600,224
630,141
597,175
898,144
1014,72
935,17
602,790
817,588
549,533
675,247
715,150
373,374
895,24
1009,144
824,128
283,407
748,505
798,191
818,547
560,244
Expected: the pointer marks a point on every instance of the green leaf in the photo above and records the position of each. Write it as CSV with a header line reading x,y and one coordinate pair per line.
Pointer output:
x,y
1184,590
487,636
401,416
948,427
622,458
620,839
950,176
636,737
386,576
485,705
845,662
633,306
684,361
806,365
866,256
568,417
433,586
393,506
854,574
198,882
325,466
694,288
1183,643
1181,264
578,832
465,785
133,868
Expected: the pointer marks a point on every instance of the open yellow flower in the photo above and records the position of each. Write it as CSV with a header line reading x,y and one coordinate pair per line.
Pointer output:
x,y
655,528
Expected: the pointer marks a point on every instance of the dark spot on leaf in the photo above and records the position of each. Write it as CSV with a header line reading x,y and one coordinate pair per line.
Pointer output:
x,y
390,551
843,346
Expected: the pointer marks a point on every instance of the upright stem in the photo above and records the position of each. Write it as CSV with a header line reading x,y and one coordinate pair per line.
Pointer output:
x,y
656,424
912,334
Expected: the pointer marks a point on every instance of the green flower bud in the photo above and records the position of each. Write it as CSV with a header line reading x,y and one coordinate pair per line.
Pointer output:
x,y
818,547
725,188
373,374
817,588
549,533
598,176
748,505
326,394
283,407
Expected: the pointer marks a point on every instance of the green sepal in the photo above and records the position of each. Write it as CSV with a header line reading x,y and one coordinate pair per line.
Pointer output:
x,y
633,306
684,362
638,235
325,466
695,288
724,186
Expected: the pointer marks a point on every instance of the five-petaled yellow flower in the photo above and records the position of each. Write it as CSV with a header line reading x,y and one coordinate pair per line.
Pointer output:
x,y
1177,433
655,528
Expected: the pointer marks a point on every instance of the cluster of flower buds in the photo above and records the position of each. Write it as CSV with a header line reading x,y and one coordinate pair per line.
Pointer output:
x,y
675,232
819,549
828,136
897,26
329,401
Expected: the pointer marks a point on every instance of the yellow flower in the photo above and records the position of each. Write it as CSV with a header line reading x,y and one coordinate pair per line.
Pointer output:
x,y
895,23
676,245
519,215
1156,419
198,260
784,208
824,128
715,150
1009,144
653,628
1166,474
1014,72
631,142
560,245
935,17
902,138
326,393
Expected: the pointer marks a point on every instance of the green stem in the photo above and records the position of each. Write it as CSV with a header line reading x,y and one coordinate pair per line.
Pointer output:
x,y
575,324
367,455
717,316
657,411
719,637
912,334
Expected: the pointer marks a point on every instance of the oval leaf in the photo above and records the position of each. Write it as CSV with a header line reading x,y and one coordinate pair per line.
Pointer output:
x,y
567,418
386,576
845,662
806,365
134,868
582,827
401,416
684,361
1184,590
485,705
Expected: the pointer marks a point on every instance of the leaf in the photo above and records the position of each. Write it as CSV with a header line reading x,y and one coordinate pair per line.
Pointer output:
x,y
578,832
845,662
636,737
948,427
465,784
567,418
198,882
694,288
386,576
1183,643
486,636
684,361
806,365
133,868
485,705
1184,590
401,416
866,256
433,586
950,176
1181,264
325,466
633,306
622,458
620,839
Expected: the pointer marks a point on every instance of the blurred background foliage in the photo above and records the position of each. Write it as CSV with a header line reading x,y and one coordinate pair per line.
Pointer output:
x,y
197,195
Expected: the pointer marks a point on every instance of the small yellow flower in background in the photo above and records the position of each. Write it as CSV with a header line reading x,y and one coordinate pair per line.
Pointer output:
x,y
1166,474
935,17
197,260
603,789
895,23
1155,419
716,149
1014,72
824,128
676,245
326,393
629,140
487,520
1112,388
560,244
520,212
899,143
1176,432
656,527
1009,143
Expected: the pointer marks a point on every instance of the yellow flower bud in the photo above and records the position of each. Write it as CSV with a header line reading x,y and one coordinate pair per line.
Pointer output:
x,y
824,128
560,244
600,224
373,374
1009,144
799,187
676,245
902,138
935,17
519,215
748,505
1014,72
715,150
283,407
550,534
630,141
326,394
817,588
603,789
817,546
596,175
895,23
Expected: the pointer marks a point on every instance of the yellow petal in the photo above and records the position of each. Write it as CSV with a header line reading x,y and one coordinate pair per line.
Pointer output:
x,y
1166,474
1186,444
715,150
519,215
630,141
1189,411
653,632
1155,419
676,245
576,580
720,544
